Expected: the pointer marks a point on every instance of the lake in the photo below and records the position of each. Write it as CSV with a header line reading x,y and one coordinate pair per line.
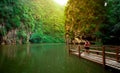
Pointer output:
x,y
44,58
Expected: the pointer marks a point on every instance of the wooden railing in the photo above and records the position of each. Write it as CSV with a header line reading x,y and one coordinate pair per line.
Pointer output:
x,y
106,52
103,54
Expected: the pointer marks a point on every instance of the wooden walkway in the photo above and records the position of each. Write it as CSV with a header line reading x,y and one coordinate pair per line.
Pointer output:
x,y
98,58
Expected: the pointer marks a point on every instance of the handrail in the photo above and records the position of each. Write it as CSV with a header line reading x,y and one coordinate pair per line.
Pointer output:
x,y
104,53
113,53
104,50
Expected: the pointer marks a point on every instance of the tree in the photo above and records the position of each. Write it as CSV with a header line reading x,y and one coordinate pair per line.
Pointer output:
x,y
23,20
84,17
110,29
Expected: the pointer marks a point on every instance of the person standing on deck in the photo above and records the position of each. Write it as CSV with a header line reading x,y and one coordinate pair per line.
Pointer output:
x,y
87,46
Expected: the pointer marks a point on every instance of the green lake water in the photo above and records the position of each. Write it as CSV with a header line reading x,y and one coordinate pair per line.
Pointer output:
x,y
44,58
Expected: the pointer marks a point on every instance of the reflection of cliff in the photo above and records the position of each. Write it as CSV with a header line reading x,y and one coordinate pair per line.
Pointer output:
x,y
9,51
28,50
14,58
14,51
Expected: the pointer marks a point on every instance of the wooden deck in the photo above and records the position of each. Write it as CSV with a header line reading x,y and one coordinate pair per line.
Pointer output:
x,y
101,58
98,59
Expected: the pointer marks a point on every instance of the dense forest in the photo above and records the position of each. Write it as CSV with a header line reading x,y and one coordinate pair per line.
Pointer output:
x,y
97,20
44,21
35,21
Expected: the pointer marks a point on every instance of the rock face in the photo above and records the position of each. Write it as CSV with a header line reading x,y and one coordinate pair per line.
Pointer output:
x,y
9,38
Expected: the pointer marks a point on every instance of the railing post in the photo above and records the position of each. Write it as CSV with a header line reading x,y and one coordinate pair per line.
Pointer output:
x,y
69,47
117,54
103,53
79,51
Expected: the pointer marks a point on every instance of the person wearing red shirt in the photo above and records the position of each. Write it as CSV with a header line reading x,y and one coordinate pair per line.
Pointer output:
x,y
87,46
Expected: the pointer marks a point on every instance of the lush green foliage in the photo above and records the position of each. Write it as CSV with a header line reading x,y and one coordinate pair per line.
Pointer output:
x,y
111,28
9,14
49,26
84,16
43,20
92,18
34,20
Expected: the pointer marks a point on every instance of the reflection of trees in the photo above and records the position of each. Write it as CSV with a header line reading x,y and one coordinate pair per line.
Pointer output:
x,y
28,49
15,58
9,51
14,51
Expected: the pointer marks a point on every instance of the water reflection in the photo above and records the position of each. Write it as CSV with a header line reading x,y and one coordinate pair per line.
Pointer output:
x,y
28,50
43,58
11,51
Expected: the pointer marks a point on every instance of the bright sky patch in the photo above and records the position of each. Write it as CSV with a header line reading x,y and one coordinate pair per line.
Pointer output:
x,y
61,2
